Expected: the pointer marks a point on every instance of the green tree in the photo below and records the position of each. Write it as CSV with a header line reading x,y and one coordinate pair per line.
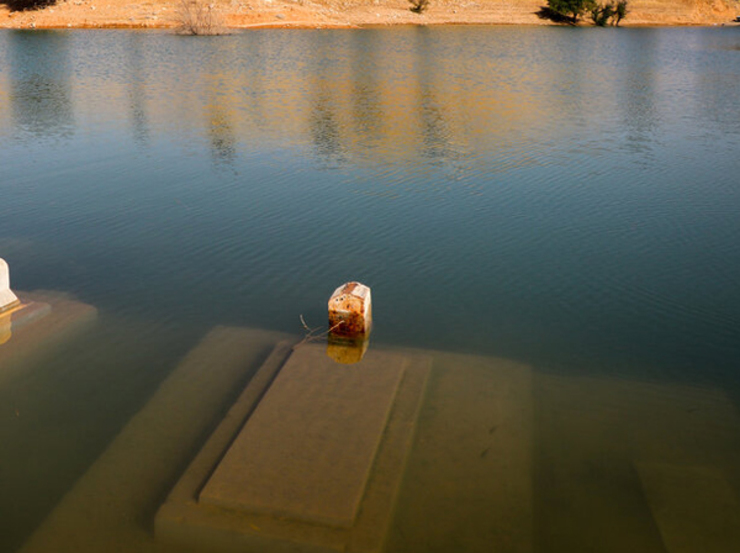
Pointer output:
x,y
570,10
602,13
620,12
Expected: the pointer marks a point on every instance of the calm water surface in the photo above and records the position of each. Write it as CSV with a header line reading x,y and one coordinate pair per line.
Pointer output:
x,y
563,198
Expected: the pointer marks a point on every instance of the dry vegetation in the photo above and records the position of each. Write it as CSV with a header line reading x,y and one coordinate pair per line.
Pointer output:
x,y
198,17
419,6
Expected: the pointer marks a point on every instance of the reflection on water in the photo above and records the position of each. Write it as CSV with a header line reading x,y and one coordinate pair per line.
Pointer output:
x,y
220,130
324,128
434,128
40,83
6,330
638,94
137,90
562,198
323,124
346,351
366,94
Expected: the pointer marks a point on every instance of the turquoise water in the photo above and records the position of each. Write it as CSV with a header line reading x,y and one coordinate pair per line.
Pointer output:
x,y
566,198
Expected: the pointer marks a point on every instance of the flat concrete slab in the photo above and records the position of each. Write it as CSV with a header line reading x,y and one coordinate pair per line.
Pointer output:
x,y
111,506
695,508
307,450
316,467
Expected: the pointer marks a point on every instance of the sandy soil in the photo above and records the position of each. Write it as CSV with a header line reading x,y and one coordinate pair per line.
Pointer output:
x,y
345,13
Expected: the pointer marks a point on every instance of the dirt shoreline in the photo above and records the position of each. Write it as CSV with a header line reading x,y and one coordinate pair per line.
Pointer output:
x,y
255,14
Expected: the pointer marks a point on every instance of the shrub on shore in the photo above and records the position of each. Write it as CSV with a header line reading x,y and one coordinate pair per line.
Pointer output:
x,y
27,5
198,17
620,12
570,11
419,6
602,13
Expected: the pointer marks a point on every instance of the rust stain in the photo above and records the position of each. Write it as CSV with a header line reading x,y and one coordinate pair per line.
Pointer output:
x,y
349,310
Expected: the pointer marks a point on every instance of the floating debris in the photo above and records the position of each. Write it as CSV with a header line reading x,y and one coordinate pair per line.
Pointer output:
x,y
350,311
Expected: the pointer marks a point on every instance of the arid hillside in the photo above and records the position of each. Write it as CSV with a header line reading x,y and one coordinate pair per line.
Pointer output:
x,y
344,13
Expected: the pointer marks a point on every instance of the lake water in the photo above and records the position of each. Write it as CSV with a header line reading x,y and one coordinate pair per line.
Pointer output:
x,y
566,199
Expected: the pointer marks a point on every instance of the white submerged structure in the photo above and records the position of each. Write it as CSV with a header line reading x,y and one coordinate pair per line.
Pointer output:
x,y
7,298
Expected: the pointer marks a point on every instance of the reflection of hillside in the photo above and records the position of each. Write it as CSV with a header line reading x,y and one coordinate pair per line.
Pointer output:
x,y
411,97
357,94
